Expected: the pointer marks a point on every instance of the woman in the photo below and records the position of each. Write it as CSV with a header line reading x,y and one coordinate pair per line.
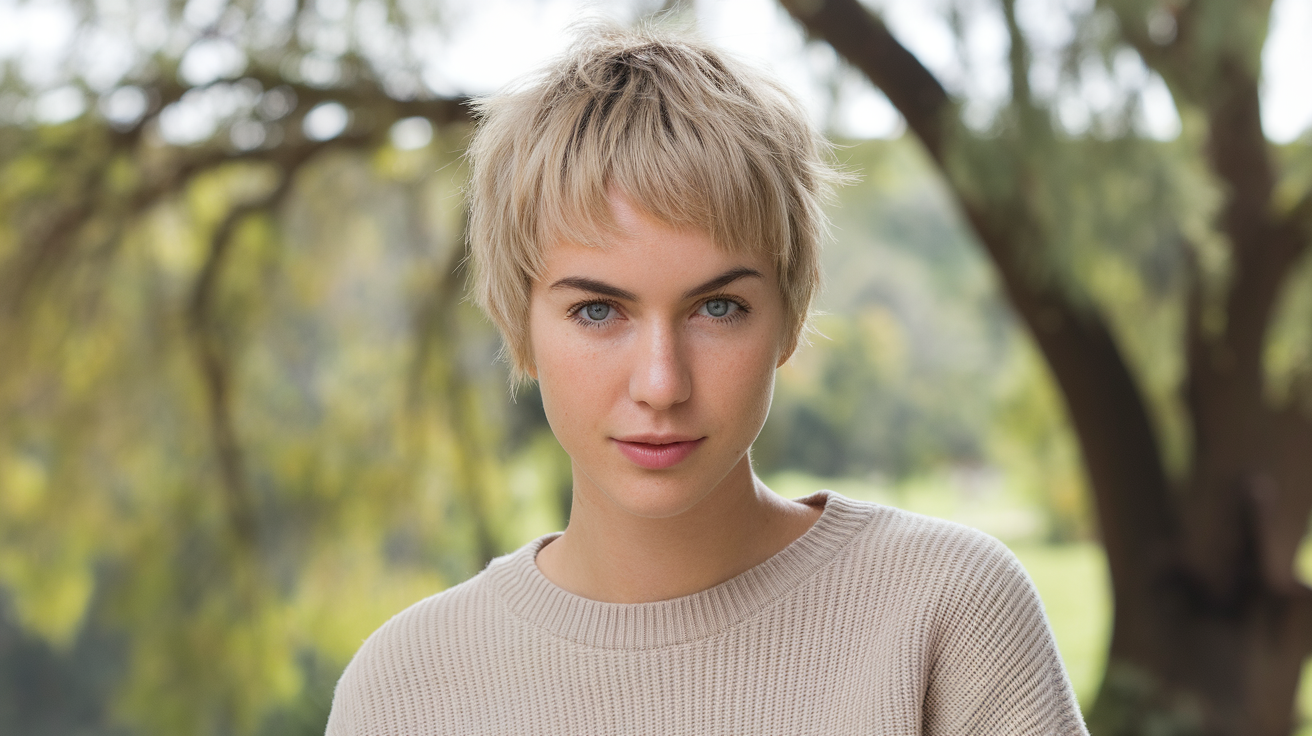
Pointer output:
x,y
644,233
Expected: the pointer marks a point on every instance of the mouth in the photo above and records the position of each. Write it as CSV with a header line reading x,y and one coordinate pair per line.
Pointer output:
x,y
657,452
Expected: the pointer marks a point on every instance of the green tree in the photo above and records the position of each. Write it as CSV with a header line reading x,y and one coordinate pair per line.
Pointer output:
x,y
245,414
1163,285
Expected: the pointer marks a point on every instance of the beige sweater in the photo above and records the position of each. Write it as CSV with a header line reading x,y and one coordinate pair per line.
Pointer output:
x,y
876,621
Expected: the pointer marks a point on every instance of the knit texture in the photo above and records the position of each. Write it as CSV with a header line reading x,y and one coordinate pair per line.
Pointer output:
x,y
875,621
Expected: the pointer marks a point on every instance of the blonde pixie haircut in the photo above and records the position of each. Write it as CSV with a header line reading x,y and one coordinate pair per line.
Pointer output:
x,y
691,137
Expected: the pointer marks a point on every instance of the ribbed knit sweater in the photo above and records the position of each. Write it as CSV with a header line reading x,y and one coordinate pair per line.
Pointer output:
x,y
875,621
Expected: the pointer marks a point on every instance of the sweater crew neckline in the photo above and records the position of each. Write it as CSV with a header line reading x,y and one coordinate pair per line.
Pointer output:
x,y
532,597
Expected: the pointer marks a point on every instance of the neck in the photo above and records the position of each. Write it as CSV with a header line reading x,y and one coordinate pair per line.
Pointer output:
x,y
607,554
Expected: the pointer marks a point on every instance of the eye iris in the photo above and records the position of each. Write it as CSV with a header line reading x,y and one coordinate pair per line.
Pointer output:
x,y
717,307
597,312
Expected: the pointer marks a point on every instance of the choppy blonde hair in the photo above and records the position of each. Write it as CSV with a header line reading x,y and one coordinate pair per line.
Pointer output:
x,y
691,137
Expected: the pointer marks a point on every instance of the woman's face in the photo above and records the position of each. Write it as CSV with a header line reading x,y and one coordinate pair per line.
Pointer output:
x,y
655,357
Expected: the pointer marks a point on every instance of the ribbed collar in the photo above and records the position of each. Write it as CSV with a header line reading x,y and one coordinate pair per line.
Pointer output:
x,y
534,598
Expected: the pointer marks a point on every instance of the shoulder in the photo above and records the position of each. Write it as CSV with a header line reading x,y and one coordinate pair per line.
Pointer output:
x,y
426,623
924,548
406,647
927,569
989,662
418,655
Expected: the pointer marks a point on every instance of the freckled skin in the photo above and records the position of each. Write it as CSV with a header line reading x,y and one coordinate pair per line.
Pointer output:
x,y
669,364
660,365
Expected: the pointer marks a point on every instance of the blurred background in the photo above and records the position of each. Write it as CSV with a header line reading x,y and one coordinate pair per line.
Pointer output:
x,y
247,414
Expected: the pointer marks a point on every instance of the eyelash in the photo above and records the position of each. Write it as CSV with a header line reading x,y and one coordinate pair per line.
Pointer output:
x,y
742,311
573,312
737,314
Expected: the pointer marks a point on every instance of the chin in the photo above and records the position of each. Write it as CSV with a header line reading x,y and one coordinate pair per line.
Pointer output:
x,y
653,497
657,506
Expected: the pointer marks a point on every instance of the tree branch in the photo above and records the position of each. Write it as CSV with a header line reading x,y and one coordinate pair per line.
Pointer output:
x,y
365,95
1217,77
44,249
1226,377
1299,621
438,328
867,44
1288,492
1174,58
1296,228
1018,59
214,361
1138,521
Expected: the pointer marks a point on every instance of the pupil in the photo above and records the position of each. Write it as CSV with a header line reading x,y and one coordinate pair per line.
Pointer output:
x,y
598,312
717,307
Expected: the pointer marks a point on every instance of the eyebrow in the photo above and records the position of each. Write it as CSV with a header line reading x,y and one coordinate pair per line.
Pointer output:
x,y
594,286
604,289
721,281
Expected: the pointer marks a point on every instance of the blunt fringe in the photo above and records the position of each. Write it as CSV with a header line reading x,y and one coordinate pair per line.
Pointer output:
x,y
690,136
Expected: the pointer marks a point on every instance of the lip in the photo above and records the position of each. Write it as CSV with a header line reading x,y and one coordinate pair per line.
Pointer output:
x,y
657,452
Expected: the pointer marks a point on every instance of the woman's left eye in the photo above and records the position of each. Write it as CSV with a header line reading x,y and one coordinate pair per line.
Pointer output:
x,y
719,308
597,311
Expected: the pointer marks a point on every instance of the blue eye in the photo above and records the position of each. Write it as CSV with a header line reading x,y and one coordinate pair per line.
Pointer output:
x,y
597,311
719,308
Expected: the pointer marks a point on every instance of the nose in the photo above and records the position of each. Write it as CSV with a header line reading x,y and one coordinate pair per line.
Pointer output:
x,y
660,376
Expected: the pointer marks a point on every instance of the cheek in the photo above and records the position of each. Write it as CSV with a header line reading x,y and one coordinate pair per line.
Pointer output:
x,y
740,382
552,352
758,393
552,366
572,375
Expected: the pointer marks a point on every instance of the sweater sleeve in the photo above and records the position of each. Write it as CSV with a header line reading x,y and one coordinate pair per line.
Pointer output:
x,y
338,717
994,666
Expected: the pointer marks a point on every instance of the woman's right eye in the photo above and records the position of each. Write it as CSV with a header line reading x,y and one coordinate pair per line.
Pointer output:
x,y
595,314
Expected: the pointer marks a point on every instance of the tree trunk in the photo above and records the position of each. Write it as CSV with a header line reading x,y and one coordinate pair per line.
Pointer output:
x,y
1209,667
1211,626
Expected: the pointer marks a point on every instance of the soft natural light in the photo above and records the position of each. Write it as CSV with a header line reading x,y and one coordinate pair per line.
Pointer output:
x,y
474,59
480,47
326,121
411,133
1287,71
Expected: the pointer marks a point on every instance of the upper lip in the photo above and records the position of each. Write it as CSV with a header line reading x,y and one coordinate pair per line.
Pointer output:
x,y
657,439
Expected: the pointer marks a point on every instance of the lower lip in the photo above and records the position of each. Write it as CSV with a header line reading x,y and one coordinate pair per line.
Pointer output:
x,y
657,457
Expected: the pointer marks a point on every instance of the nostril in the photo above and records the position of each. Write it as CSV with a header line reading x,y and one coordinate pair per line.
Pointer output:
x,y
662,379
